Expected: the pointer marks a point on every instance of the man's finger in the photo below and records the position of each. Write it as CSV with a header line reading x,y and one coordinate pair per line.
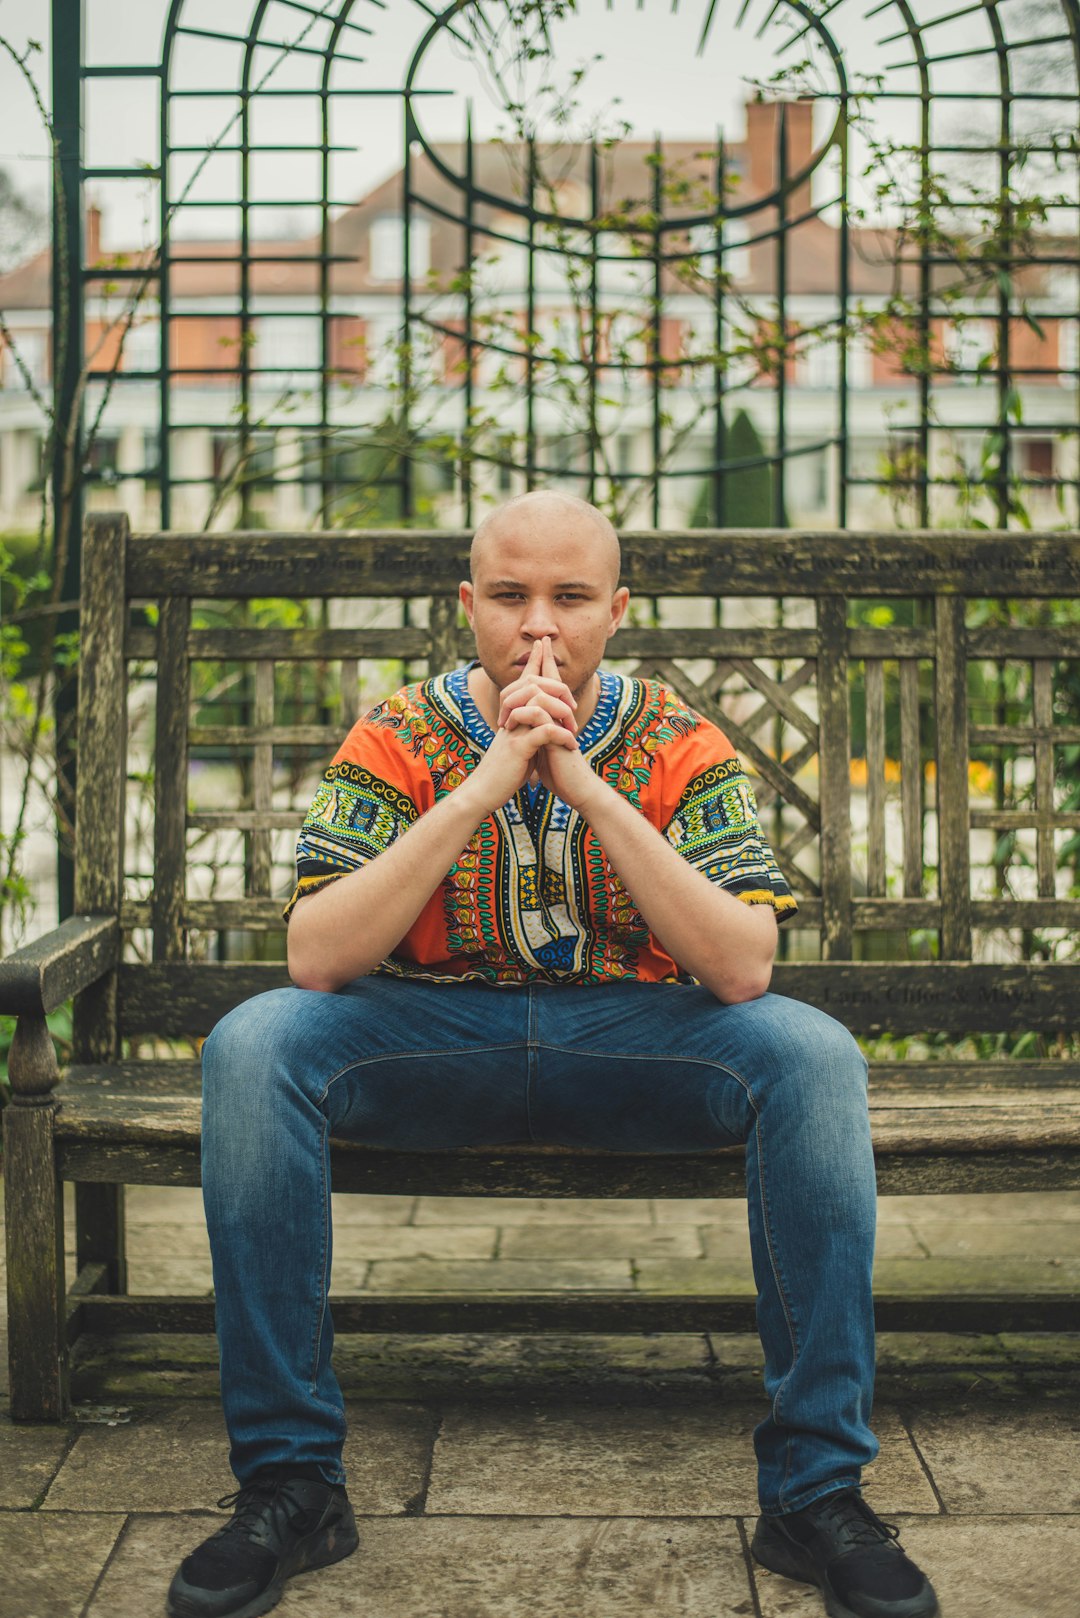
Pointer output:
x,y
549,669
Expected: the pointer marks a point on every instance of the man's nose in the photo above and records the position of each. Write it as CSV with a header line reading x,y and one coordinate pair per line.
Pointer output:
x,y
539,620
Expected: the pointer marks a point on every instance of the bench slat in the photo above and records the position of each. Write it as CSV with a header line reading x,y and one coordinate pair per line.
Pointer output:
x,y
910,1116
424,562
175,999
554,1313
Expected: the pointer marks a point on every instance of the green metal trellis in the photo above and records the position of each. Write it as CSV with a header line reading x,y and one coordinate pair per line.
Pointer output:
x,y
705,268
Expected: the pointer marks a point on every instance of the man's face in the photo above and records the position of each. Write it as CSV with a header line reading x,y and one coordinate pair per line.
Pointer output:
x,y
543,570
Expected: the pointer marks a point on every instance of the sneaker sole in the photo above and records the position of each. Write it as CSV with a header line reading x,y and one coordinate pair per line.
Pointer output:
x,y
320,1549
778,1556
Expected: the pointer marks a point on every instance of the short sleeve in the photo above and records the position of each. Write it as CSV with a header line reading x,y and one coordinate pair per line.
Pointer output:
x,y
359,810
715,827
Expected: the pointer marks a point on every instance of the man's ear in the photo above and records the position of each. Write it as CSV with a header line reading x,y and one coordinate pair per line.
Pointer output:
x,y
467,595
619,603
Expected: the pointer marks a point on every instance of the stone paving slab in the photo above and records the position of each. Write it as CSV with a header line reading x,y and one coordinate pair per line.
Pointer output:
x,y
136,1369
898,1240
30,1457
1000,1238
149,1243
176,1239
518,1210
1046,1350
364,1241
176,1205
1018,1567
164,1205
51,1564
501,1275
688,1276
561,1241
476,1568
362,1209
175,1459
147,1276
643,1266
978,1207
987,1460
688,1460
699,1211
977,1274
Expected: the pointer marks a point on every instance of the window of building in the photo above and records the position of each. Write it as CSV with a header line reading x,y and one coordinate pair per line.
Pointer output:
x,y
386,248
860,363
100,462
1037,457
290,347
736,252
968,343
142,346
820,366
1068,352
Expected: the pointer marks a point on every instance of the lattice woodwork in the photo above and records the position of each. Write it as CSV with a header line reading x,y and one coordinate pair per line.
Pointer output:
x,y
869,770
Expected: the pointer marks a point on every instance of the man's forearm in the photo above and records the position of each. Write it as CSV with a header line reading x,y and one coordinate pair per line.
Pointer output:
x,y
344,930
726,944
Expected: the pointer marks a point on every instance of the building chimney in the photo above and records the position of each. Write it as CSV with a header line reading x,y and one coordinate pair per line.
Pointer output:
x,y
93,233
762,122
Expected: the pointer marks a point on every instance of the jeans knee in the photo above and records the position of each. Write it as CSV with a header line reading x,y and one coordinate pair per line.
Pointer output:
x,y
249,1041
805,1052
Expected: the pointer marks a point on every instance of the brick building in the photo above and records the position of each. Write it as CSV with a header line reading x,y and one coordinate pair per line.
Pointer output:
x,y
309,343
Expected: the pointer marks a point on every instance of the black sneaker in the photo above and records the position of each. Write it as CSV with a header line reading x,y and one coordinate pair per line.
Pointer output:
x,y
280,1526
853,1557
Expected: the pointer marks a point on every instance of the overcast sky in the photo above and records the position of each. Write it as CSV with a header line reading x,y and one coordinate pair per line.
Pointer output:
x,y
649,73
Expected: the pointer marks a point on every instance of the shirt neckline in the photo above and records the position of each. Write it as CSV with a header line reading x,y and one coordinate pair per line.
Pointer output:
x,y
481,734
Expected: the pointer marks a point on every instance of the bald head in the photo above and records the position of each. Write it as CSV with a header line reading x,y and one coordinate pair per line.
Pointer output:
x,y
540,516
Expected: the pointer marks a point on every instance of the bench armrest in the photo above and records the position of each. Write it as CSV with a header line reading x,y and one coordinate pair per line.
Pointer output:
x,y
39,977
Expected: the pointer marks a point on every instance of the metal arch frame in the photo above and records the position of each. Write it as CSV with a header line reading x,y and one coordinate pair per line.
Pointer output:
x,y
69,74
72,277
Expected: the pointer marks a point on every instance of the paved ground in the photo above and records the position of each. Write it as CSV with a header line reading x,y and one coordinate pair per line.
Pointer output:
x,y
568,1478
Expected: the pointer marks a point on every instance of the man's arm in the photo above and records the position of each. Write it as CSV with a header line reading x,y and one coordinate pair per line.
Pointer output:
x,y
727,945
345,929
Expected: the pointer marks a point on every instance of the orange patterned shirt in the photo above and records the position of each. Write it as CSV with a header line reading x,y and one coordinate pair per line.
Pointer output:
x,y
533,898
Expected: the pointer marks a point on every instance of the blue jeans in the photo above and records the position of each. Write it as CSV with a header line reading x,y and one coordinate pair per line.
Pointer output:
x,y
626,1066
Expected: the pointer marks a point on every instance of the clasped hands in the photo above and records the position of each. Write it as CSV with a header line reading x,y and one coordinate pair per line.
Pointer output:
x,y
536,735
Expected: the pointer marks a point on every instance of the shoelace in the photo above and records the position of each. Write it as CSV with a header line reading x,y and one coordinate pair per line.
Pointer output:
x,y
859,1523
249,1501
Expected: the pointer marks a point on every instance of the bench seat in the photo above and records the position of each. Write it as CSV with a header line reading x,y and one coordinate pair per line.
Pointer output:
x,y
933,1128
953,1126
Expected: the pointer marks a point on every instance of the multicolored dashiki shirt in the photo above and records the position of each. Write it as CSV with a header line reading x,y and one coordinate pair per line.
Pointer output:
x,y
532,897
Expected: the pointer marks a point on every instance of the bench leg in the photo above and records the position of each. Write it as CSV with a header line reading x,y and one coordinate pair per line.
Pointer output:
x,y
34,1213
99,1231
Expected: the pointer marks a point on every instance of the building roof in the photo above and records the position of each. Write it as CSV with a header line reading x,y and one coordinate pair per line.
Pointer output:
x,y
626,175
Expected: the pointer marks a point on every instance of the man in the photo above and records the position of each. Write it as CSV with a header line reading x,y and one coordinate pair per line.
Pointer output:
x,y
509,880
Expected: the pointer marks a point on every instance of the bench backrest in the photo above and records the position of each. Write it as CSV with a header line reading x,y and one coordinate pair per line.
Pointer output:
x,y
898,698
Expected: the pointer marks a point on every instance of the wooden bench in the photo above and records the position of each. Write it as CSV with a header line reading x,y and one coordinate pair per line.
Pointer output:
x,y
138,955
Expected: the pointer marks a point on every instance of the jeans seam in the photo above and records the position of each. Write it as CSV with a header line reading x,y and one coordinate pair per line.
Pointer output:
x,y
774,1265
412,1056
532,1049
324,1279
